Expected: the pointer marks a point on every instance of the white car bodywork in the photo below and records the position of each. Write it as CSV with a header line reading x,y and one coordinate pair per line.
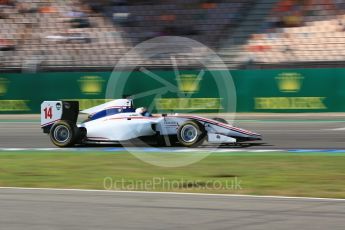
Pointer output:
x,y
117,121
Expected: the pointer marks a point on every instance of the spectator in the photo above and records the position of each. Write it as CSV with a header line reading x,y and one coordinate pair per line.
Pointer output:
x,y
47,9
7,45
26,8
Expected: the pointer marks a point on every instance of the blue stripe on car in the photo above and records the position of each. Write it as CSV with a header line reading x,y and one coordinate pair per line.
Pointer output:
x,y
109,112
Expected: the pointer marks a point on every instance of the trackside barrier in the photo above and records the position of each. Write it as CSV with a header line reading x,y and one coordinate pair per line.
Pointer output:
x,y
292,90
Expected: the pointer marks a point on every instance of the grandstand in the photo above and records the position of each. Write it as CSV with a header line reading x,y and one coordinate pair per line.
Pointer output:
x,y
79,34
58,33
289,33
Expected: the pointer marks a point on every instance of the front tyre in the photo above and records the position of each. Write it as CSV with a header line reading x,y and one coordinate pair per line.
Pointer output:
x,y
191,134
63,134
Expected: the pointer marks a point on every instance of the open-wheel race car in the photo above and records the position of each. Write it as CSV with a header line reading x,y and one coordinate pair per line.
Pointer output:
x,y
118,121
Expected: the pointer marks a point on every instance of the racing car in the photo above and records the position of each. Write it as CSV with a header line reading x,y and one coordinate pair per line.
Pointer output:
x,y
118,121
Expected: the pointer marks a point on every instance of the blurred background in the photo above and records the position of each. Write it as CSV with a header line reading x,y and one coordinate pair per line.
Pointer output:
x,y
284,76
79,34
279,45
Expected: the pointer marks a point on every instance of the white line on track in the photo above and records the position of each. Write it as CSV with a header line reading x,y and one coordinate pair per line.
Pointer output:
x,y
117,149
171,150
335,129
174,193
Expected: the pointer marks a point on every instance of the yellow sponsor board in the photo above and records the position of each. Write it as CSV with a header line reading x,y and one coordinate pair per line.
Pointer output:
x,y
188,83
290,103
290,82
3,86
14,105
91,85
88,103
188,103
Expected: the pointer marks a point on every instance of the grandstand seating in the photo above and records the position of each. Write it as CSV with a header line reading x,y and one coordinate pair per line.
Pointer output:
x,y
48,35
297,32
77,33
69,33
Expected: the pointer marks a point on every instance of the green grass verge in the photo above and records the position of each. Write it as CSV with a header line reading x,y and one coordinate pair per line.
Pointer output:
x,y
317,175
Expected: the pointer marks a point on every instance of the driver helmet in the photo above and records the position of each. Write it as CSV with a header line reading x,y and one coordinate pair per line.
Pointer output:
x,y
141,110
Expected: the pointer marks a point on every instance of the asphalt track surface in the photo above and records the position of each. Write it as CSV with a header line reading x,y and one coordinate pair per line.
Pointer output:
x,y
281,134
80,210
62,209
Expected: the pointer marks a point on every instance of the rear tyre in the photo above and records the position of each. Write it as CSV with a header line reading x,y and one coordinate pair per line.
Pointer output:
x,y
191,134
64,134
220,120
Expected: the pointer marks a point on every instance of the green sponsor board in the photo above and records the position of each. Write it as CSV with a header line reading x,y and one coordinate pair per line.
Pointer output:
x,y
188,91
23,93
293,90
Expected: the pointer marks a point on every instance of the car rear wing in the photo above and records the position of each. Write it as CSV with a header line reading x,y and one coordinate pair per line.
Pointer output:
x,y
53,111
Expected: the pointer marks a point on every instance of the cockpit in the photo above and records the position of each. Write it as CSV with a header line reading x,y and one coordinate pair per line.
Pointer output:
x,y
114,107
111,111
